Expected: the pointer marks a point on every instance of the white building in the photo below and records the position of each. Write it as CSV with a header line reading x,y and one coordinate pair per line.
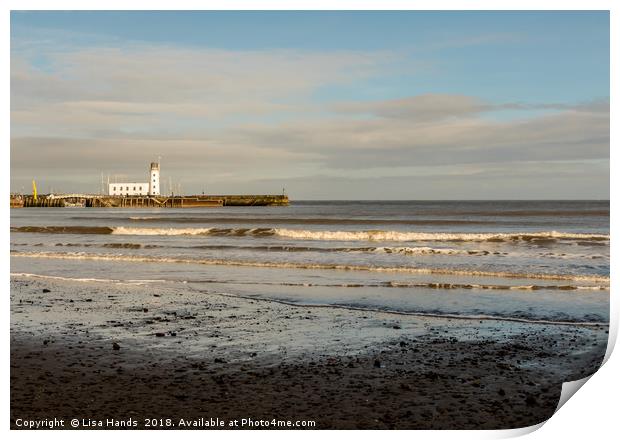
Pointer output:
x,y
128,189
150,188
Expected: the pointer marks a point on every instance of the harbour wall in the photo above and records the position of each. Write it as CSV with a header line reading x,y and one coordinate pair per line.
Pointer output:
x,y
104,201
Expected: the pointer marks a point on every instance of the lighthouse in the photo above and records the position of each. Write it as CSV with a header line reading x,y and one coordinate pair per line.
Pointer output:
x,y
154,179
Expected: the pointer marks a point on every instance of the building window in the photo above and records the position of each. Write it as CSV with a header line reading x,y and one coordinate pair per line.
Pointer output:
x,y
113,188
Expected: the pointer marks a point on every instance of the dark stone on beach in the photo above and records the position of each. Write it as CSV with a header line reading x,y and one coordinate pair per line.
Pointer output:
x,y
396,327
160,335
377,363
115,346
46,342
173,333
501,392
219,361
46,290
253,355
432,375
403,343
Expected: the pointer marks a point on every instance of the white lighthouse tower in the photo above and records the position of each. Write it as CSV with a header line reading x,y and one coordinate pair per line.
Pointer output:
x,y
154,179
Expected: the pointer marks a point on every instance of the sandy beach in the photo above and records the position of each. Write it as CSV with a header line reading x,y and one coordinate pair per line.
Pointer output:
x,y
99,351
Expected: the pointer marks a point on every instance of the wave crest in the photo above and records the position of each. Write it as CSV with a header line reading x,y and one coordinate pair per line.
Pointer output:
x,y
315,266
433,236
302,234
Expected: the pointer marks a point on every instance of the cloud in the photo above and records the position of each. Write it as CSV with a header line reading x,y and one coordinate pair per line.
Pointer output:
x,y
249,119
432,107
371,146
425,107
166,75
158,90
548,180
373,142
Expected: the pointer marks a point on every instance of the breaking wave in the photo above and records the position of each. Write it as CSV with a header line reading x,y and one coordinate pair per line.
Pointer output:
x,y
301,234
433,236
400,250
276,248
432,251
387,284
427,285
316,266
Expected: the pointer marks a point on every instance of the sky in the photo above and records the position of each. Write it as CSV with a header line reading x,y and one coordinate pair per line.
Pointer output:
x,y
324,105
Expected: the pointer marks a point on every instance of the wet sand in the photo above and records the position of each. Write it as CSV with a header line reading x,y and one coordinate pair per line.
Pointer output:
x,y
103,351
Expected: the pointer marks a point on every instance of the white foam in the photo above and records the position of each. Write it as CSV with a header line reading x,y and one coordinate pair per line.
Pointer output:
x,y
142,218
428,251
84,280
122,230
371,235
318,266
427,236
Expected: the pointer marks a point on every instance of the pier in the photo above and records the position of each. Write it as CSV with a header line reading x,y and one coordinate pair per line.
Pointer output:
x,y
106,201
142,194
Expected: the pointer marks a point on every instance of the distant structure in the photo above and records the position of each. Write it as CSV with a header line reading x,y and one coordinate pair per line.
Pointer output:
x,y
141,195
154,181
138,188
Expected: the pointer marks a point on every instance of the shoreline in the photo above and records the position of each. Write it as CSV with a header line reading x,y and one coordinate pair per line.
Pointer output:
x,y
187,354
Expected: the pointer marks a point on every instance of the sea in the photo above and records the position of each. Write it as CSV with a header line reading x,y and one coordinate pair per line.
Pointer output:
x,y
525,261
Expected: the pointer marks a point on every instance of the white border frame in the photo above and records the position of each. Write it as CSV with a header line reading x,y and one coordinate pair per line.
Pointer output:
x,y
592,412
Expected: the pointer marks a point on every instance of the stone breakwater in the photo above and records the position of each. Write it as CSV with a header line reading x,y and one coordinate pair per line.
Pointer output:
x,y
102,201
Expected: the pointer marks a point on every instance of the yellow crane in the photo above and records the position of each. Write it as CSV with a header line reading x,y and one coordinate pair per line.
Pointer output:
x,y
34,190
